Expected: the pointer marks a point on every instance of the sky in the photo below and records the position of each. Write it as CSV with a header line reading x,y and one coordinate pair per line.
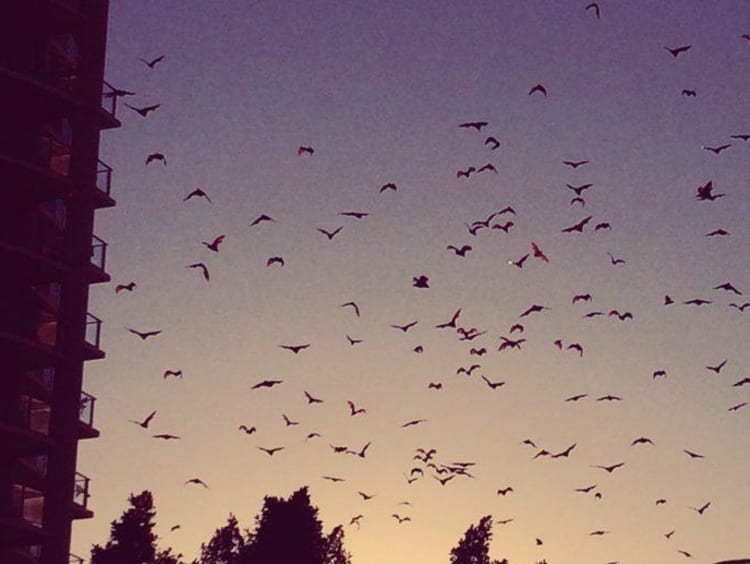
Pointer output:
x,y
379,91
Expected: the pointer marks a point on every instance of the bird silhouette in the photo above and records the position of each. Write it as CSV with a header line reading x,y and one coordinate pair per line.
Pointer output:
x,y
611,468
467,371
175,373
519,263
331,234
581,298
538,88
478,125
718,367
575,164
156,157
504,491
508,343
718,233
389,186
361,452
304,150
352,305
145,423
353,341
538,253
614,261
504,226
740,307
451,323
365,496
354,214
165,436
564,453
700,510
434,386
705,192
295,348
621,316
203,269
144,334
421,281
267,384
465,173
738,383
578,226
406,327
659,373
130,286
718,149
575,347
354,410
271,451
400,519
487,167
214,245
459,252
289,422
603,225
492,385
536,308
642,441
576,397
586,489
738,406
609,397
677,51
578,190
492,142
144,111
153,62
260,219
697,302
692,454
689,93
246,429
477,352
311,400
275,260
413,422
594,6
197,481
578,200
197,193
728,287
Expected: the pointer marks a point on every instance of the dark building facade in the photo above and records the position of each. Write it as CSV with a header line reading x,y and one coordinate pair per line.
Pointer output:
x,y
53,104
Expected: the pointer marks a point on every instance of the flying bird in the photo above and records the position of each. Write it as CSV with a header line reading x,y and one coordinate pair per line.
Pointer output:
x,y
271,451
353,341
406,327
143,112
488,166
716,150
575,347
676,51
492,142
705,192
538,252
738,406
352,305
478,125
740,307
354,410
697,302
145,334
289,422
504,491
536,308
295,348
197,481
145,423
621,316
389,186
156,157
459,252
578,226
718,367
153,62
434,386
728,287
130,286
214,245
578,189
165,436
642,441
519,263
594,6
610,469
421,281
311,400
330,234
275,260
575,164
609,398
692,454
302,150
354,214
700,510
197,193
689,93
718,233
260,219
400,519
576,397
538,88
659,373
413,422
266,384
246,429
465,173
581,298
467,371
492,385
175,373
203,269
564,453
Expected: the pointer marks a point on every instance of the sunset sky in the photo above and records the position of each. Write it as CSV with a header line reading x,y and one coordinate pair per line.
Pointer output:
x,y
378,90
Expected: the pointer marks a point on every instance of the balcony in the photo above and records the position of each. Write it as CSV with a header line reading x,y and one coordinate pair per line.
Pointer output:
x,y
31,471
98,263
86,428
81,497
92,338
40,382
107,119
104,198
21,522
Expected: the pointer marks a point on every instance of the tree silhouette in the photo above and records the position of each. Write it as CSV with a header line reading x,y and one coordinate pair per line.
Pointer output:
x,y
225,546
132,538
288,530
474,547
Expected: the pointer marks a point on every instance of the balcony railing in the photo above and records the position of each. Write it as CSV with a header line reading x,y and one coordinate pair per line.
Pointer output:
x,y
104,177
86,409
81,490
109,99
28,504
98,252
93,330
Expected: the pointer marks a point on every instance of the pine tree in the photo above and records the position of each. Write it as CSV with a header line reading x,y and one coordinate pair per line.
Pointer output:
x,y
225,546
474,547
132,540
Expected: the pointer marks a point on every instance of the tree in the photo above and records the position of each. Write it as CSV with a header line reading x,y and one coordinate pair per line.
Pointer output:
x,y
132,539
225,546
474,547
288,530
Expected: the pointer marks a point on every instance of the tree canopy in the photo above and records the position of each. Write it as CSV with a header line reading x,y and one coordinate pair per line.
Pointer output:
x,y
474,546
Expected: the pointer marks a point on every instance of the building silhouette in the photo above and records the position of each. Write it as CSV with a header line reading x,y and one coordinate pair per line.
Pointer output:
x,y
53,105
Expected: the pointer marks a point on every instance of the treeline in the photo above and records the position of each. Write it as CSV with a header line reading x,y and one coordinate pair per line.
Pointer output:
x,y
286,531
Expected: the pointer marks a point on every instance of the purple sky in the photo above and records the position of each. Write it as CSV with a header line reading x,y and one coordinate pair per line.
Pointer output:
x,y
378,90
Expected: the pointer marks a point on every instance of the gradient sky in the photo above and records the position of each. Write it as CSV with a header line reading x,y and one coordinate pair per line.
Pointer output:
x,y
379,89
